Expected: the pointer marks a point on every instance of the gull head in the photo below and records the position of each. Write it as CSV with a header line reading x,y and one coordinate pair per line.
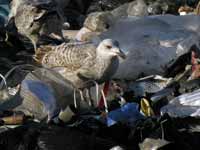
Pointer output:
x,y
109,47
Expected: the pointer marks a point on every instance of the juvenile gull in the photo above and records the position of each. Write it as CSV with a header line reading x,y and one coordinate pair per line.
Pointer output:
x,y
82,62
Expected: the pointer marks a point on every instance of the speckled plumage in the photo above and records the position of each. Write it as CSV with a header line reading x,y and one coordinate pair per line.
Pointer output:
x,y
81,62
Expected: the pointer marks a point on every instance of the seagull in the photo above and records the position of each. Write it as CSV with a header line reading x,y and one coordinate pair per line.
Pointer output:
x,y
83,64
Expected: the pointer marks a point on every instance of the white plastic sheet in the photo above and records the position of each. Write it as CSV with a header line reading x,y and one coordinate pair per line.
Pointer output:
x,y
153,43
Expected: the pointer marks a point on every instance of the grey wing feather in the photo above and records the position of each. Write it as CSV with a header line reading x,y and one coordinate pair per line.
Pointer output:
x,y
86,74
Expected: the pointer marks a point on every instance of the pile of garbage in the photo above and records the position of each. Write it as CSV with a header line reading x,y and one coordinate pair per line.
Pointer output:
x,y
151,101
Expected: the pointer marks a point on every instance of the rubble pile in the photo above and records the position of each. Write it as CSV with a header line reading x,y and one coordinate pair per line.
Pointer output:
x,y
99,74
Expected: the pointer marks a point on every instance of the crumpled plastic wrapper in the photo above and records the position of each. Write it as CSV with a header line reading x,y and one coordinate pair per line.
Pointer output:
x,y
45,92
185,105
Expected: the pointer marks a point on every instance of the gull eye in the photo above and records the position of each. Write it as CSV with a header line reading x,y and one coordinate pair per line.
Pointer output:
x,y
108,46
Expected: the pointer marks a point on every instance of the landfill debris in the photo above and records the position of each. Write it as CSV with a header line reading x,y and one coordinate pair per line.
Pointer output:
x,y
133,8
4,12
13,120
151,101
184,105
197,10
104,5
98,22
153,144
37,20
85,34
153,39
117,148
146,107
41,90
105,19
6,94
129,113
162,7
66,114
5,91
162,94
149,84
185,10
94,24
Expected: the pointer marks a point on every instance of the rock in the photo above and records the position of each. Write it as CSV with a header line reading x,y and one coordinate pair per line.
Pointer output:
x,y
85,34
70,34
98,21
134,8
101,21
105,5
95,24
162,7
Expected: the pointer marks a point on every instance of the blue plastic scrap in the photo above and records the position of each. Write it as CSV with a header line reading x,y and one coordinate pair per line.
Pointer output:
x,y
128,113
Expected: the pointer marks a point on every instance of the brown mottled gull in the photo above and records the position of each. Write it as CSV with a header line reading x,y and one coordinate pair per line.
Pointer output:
x,y
82,62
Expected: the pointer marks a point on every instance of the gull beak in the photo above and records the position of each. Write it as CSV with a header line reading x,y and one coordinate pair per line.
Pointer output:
x,y
120,53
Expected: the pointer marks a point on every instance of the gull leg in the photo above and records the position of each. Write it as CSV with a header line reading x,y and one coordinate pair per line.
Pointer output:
x,y
97,91
104,100
81,94
105,90
75,101
88,96
96,94
162,129
34,45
